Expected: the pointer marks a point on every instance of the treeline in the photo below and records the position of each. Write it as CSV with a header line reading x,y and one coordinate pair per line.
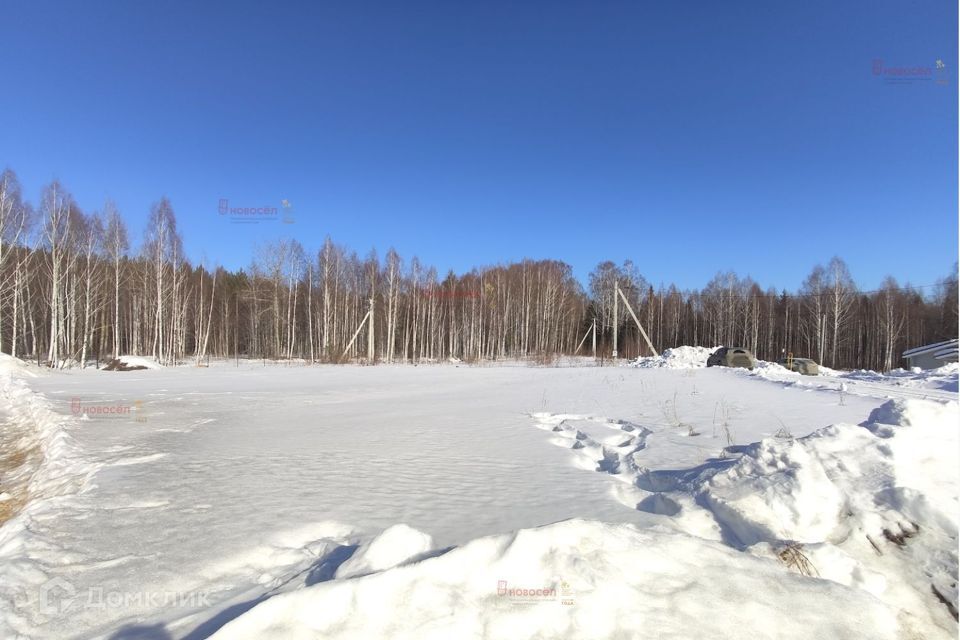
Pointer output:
x,y
73,288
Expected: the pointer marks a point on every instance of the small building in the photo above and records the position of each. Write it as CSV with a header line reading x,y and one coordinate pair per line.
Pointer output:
x,y
932,356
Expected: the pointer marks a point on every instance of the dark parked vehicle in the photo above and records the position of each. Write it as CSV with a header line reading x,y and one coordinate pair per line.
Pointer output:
x,y
731,357
804,366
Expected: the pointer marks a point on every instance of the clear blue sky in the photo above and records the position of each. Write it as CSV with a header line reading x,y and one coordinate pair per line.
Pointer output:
x,y
689,137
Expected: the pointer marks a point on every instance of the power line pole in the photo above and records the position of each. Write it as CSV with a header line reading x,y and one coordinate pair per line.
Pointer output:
x,y
594,338
639,326
357,332
616,297
370,345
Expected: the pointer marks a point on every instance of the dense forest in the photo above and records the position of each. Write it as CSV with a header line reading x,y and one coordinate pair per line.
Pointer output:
x,y
73,288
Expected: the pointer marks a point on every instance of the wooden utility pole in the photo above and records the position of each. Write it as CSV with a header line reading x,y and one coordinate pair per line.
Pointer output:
x,y
310,310
594,338
357,332
583,340
616,292
639,326
370,345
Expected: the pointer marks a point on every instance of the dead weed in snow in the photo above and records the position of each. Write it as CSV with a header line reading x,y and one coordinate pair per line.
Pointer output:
x,y
793,557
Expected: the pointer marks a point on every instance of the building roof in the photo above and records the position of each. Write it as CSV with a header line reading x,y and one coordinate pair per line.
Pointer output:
x,y
939,350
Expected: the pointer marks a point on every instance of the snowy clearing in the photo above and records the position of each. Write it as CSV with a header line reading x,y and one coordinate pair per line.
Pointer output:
x,y
494,501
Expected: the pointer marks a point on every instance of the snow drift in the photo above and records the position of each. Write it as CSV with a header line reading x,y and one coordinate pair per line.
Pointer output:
x,y
944,378
40,459
39,463
394,546
873,506
574,579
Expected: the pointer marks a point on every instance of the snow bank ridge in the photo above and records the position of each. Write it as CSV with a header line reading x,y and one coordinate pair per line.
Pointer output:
x,y
396,545
44,463
44,460
573,579
873,506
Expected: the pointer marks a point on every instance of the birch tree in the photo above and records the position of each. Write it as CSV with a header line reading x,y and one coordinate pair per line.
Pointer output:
x,y
116,246
841,296
162,246
59,214
13,227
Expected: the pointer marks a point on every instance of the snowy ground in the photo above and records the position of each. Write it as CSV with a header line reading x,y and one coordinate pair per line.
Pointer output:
x,y
496,501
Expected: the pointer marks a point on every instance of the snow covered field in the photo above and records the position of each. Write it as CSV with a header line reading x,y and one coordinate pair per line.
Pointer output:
x,y
492,501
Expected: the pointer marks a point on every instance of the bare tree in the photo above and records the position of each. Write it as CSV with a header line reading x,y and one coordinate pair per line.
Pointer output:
x,y
814,291
162,247
13,227
841,296
59,215
116,246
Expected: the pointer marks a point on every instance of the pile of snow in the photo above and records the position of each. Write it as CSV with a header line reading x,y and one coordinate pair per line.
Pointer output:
x,y
10,366
676,358
574,579
396,545
777,491
873,506
944,378
762,366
